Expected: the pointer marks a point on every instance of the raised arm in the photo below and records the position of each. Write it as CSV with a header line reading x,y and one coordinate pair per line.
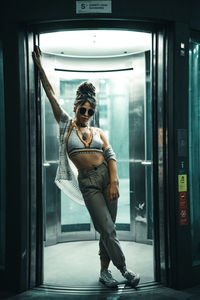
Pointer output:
x,y
46,84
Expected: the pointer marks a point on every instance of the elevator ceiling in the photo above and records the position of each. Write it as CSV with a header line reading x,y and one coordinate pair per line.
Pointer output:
x,y
95,43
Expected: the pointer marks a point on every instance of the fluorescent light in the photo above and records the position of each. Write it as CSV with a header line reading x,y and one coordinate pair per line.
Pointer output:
x,y
95,42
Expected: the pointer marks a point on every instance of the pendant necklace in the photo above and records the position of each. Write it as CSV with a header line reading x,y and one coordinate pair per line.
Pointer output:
x,y
83,136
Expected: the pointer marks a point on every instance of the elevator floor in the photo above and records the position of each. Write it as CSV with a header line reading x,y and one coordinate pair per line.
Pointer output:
x,y
158,293
76,264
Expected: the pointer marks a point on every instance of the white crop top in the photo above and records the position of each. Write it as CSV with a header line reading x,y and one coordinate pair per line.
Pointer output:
x,y
75,145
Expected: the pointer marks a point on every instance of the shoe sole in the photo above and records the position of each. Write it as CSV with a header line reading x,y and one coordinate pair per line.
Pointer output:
x,y
112,285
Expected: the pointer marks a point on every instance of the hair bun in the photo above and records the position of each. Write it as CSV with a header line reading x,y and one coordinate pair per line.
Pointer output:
x,y
86,89
86,92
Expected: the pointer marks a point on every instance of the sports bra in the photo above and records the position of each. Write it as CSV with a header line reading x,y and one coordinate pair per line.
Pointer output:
x,y
76,146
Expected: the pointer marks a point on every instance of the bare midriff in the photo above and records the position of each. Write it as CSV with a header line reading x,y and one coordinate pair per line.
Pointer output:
x,y
87,160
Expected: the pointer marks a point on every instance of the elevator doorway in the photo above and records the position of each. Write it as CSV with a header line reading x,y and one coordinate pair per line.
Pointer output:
x,y
123,81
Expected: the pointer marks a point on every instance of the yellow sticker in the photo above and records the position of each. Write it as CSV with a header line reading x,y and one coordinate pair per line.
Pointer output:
x,y
182,183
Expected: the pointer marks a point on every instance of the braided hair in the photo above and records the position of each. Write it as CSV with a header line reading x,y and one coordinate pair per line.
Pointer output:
x,y
85,93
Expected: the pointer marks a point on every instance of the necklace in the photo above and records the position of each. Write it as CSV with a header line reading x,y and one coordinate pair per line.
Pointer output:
x,y
81,124
85,137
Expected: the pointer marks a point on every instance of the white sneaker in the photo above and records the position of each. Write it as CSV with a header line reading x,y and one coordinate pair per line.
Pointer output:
x,y
107,279
133,278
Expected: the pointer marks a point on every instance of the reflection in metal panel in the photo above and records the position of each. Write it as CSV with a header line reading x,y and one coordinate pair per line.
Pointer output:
x,y
194,148
140,132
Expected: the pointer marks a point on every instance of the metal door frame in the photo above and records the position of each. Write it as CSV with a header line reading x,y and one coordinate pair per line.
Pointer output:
x,y
194,36
159,70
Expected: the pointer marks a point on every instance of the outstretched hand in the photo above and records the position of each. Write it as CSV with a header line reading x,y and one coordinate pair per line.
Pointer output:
x,y
37,53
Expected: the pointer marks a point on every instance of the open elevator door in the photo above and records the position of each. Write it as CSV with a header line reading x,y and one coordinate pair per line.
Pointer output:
x,y
124,113
145,161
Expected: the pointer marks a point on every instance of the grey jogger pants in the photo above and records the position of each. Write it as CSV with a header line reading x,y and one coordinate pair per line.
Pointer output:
x,y
94,185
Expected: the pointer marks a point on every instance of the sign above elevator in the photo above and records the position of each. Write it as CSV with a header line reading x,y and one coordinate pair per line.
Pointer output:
x,y
94,6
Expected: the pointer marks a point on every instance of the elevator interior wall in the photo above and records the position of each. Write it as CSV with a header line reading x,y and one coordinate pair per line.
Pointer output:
x,y
124,92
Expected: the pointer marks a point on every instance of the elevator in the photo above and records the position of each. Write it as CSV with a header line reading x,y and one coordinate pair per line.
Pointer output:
x,y
123,79
130,84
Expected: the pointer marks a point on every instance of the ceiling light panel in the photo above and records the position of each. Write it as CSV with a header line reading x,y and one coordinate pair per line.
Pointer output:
x,y
95,43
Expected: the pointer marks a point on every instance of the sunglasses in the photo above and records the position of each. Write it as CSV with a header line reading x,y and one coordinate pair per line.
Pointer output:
x,y
82,111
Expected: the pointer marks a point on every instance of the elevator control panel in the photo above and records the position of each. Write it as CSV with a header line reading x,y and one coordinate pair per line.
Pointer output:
x,y
182,199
